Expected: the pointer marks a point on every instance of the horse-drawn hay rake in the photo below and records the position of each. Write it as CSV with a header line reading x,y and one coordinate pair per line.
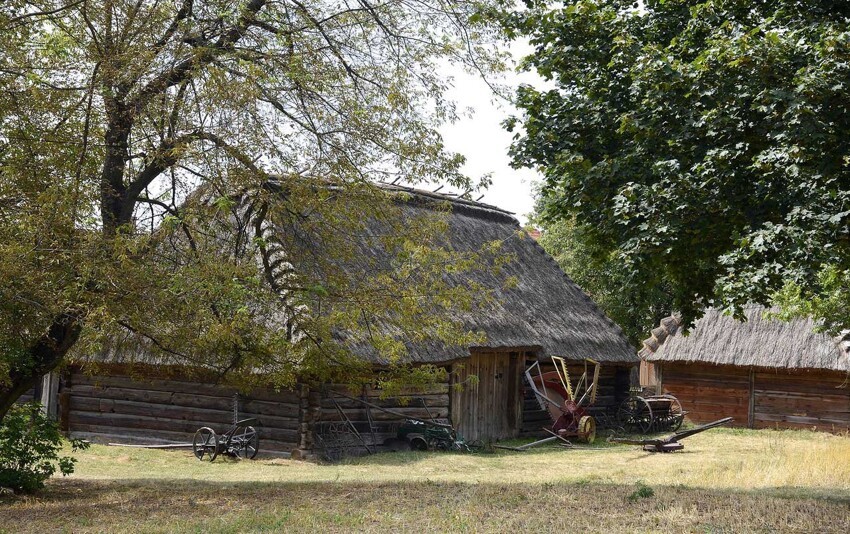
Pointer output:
x,y
565,404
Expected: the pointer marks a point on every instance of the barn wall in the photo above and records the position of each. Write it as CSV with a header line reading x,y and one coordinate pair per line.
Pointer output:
x,y
114,406
760,398
613,390
709,392
801,399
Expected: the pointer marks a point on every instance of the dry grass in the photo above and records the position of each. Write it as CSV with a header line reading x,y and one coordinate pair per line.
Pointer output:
x,y
724,481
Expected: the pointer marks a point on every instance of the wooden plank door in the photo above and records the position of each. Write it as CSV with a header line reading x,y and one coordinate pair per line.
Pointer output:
x,y
489,409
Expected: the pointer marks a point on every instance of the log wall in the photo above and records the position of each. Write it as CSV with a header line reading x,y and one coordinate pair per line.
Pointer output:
x,y
113,406
709,392
761,398
613,389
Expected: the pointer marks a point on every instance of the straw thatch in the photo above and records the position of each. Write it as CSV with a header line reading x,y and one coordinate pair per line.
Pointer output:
x,y
758,342
546,311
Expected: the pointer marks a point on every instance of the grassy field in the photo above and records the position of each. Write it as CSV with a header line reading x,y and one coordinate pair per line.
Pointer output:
x,y
724,481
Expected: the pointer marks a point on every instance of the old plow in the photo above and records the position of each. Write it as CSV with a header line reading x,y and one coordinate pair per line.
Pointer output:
x,y
671,443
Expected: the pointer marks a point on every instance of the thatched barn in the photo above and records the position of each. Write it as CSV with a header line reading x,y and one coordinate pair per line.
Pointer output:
x,y
543,314
766,373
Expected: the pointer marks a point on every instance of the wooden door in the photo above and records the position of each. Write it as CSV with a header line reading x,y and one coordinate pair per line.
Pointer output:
x,y
491,407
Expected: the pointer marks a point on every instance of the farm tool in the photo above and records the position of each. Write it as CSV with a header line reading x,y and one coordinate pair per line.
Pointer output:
x,y
240,441
671,443
336,438
565,404
656,413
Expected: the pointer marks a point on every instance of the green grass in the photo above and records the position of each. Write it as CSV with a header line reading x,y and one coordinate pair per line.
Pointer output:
x,y
724,481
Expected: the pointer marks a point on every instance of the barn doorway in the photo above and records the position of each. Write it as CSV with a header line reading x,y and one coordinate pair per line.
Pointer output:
x,y
490,409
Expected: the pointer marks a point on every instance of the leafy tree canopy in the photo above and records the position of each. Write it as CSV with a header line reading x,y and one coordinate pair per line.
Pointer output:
x,y
705,143
154,153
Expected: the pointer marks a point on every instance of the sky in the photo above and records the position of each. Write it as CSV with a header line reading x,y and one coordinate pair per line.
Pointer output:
x,y
485,143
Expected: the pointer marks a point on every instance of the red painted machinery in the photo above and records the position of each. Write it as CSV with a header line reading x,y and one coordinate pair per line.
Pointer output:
x,y
566,404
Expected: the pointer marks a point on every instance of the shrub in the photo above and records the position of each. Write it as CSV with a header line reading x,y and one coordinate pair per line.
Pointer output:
x,y
642,492
29,449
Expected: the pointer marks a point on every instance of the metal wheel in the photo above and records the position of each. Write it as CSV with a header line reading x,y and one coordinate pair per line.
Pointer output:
x,y
587,429
247,442
205,444
635,414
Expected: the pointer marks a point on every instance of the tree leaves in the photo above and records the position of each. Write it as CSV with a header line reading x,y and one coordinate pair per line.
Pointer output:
x,y
705,142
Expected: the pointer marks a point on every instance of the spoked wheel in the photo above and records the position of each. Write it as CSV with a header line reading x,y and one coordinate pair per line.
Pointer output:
x,y
205,444
635,414
676,414
248,442
587,429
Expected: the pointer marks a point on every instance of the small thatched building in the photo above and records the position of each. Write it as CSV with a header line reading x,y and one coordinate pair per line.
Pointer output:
x,y
544,314
764,372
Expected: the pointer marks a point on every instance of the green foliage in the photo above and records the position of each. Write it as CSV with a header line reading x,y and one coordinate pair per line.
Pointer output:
x,y
704,144
642,492
29,449
636,304
143,143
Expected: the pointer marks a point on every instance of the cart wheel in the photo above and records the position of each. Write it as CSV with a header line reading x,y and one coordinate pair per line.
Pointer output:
x,y
587,429
249,442
676,413
205,444
635,414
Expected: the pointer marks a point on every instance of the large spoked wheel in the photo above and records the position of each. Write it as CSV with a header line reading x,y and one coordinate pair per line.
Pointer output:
x,y
248,442
587,429
676,414
205,444
635,415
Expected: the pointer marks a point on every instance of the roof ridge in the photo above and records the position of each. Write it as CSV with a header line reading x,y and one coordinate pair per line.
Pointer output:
x,y
666,328
454,199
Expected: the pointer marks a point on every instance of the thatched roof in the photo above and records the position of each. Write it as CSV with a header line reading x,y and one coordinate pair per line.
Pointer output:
x,y
546,311
759,342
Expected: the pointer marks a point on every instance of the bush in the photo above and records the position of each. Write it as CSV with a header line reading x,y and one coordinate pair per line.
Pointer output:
x,y
642,492
29,449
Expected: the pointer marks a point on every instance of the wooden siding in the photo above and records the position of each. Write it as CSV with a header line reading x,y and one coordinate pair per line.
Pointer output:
x,y
613,389
117,407
489,408
801,399
709,392
761,398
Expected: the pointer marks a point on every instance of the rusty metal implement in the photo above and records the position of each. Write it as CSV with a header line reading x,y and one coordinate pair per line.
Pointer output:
x,y
671,443
566,403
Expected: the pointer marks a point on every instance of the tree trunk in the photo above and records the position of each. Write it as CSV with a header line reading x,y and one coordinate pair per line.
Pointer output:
x,y
113,192
45,356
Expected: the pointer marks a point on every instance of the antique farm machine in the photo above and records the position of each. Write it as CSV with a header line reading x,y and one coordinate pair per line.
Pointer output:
x,y
647,414
566,403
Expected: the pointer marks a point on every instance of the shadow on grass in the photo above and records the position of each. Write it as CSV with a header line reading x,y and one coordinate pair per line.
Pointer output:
x,y
179,505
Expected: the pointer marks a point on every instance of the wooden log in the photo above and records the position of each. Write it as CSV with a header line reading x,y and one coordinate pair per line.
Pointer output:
x,y
439,401
176,413
182,386
184,400
402,414
157,424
